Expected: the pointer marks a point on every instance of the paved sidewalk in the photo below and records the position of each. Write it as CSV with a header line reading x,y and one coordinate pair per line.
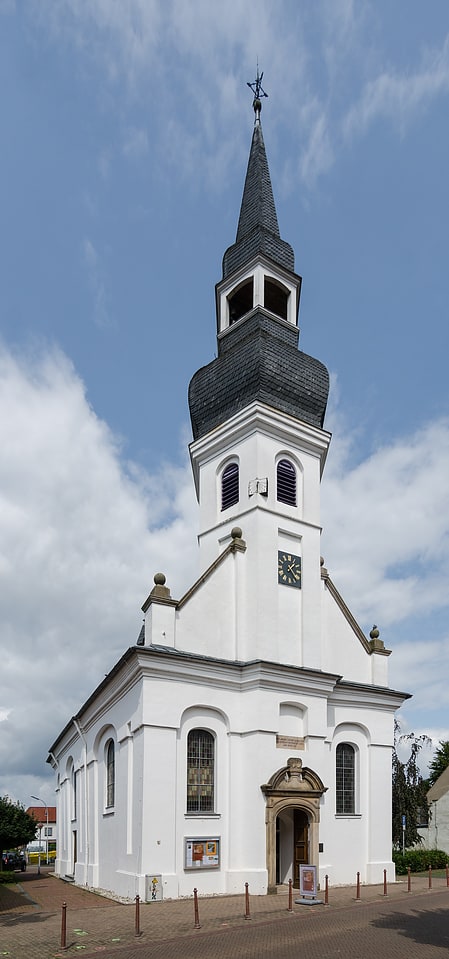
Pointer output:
x,y
30,915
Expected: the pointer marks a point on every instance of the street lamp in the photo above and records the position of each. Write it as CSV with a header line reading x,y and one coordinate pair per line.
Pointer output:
x,y
46,835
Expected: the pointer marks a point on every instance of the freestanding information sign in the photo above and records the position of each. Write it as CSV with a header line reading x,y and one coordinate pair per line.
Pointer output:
x,y
308,886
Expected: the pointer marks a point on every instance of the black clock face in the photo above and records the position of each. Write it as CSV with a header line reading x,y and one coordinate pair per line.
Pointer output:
x,y
289,569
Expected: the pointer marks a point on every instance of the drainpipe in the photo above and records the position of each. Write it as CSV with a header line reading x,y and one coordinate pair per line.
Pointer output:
x,y
80,732
58,809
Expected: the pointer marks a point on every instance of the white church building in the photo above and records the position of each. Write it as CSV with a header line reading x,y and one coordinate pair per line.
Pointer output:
x,y
249,730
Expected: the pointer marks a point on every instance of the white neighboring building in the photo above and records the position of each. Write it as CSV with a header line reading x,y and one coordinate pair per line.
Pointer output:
x,y
250,729
435,835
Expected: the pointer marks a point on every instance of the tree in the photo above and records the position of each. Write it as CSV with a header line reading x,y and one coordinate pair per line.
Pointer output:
x,y
17,827
409,789
439,762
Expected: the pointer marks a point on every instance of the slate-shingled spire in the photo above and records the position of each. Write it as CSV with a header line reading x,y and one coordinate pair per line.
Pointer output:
x,y
258,229
258,358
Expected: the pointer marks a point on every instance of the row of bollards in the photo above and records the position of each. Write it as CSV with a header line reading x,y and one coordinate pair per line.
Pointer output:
x,y
197,925
409,881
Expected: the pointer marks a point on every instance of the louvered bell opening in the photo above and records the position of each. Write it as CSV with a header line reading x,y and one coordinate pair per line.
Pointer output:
x,y
286,483
230,486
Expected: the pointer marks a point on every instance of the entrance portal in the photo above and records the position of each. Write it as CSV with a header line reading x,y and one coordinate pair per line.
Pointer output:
x,y
292,817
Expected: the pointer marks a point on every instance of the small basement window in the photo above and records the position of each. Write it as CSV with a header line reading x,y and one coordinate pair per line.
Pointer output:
x,y
241,301
275,298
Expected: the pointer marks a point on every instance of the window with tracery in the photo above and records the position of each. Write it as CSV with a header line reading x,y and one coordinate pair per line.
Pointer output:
x,y
345,779
110,774
200,771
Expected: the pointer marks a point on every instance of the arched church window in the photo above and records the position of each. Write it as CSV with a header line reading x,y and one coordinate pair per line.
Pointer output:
x,y
345,779
230,485
200,771
241,301
275,298
74,794
286,482
110,774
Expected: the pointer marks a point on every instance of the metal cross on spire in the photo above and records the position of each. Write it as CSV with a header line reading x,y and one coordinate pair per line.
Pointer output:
x,y
258,92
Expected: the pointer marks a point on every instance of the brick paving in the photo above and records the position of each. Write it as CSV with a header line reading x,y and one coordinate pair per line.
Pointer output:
x,y
399,925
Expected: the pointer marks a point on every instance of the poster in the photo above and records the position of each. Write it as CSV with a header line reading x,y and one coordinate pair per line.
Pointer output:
x,y
202,853
307,881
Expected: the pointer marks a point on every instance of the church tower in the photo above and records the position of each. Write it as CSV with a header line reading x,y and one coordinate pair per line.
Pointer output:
x,y
259,446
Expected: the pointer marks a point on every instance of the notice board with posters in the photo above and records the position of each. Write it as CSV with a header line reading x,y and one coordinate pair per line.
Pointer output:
x,y
307,881
202,853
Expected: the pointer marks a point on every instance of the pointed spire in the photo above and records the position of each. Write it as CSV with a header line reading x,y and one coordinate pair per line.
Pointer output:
x,y
258,229
257,211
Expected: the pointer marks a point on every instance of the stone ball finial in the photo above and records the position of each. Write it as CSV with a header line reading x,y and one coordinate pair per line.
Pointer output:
x,y
374,634
236,532
159,579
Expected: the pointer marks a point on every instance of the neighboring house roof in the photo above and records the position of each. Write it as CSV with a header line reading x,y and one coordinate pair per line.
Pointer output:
x,y
40,814
440,787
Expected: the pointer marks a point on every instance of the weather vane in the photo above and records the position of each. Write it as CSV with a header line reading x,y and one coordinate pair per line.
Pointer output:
x,y
258,92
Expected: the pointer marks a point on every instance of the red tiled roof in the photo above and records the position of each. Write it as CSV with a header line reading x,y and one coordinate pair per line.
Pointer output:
x,y
40,813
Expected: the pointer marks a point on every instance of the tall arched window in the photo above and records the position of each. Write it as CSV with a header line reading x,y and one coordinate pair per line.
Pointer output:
x,y
230,485
200,771
345,779
110,773
286,482
74,795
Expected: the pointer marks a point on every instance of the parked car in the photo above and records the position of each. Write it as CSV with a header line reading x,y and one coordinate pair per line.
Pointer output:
x,y
14,860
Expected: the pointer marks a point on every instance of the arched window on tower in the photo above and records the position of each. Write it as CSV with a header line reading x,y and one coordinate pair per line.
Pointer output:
x,y
200,771
230,485
241,301
275,298
110,773
286,482
345,779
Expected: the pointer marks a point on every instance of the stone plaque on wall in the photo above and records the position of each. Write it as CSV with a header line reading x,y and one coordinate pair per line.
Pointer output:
x,y
290,742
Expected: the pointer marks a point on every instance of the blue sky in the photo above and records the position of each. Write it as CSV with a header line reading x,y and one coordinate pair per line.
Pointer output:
x,y
126,129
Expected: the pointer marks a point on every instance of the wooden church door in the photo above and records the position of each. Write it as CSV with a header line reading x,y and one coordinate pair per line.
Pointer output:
x,y
301,843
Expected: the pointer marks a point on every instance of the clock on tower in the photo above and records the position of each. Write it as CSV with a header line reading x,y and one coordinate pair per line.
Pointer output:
x,y
289,569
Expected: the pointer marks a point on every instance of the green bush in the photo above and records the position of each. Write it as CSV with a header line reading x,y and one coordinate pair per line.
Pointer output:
x,y
7,875
419,860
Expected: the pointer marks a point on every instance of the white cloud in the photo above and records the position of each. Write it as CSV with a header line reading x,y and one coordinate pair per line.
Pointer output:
x,y
318,155
81,536
386,523
400,96
188,64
